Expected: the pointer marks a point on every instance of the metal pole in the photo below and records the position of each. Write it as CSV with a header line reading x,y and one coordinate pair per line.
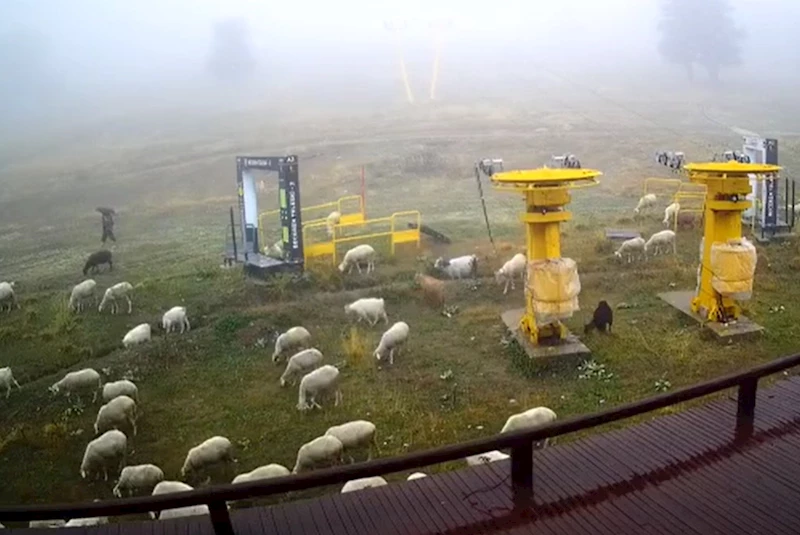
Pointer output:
x,y
363,193
233,236
522,474
483,203
220,518
746,408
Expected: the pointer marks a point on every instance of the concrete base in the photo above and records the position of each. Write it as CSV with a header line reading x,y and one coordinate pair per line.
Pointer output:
x,y
737,329
569,347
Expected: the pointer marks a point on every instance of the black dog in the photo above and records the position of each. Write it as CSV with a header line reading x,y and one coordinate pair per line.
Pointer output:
x,y
602,319
97,259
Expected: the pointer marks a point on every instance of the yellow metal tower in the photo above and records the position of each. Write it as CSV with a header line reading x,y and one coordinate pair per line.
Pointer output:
x,y
546,192
728,185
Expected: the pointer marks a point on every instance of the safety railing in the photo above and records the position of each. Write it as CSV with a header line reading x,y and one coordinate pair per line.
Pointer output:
x,y
520,443
661,186
690,202
396,232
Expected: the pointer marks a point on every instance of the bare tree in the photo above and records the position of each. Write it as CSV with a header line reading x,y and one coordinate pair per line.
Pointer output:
x,y
700,33
231,53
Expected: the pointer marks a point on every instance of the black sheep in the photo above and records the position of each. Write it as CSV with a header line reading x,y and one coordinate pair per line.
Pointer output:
x,y
602,319
97,259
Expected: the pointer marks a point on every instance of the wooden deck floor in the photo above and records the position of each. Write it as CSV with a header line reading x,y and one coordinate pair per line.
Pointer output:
x,y
677,474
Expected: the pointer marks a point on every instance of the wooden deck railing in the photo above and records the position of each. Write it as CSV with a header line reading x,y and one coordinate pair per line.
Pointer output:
x,y
520,443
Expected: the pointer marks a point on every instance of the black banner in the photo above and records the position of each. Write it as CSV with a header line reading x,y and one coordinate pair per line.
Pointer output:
x,y
291,219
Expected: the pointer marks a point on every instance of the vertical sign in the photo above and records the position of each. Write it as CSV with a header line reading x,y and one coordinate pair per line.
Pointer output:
x,y
771,184
293,221
283,208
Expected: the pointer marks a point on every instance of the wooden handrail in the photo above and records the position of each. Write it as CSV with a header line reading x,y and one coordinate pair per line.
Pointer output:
x,y
520,443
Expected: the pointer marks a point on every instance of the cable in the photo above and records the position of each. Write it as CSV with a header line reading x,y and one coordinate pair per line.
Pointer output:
x,y
483,202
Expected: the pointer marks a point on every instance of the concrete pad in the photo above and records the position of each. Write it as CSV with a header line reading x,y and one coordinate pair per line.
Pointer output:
x,y
736,329
570,347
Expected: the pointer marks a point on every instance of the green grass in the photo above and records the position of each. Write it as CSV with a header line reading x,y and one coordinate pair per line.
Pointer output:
x,y
457,378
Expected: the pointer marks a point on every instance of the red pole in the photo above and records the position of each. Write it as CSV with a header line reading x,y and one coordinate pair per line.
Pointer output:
x,y
363,192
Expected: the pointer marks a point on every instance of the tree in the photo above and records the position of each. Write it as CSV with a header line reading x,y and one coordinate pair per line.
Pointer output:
x,y
700,32
231,54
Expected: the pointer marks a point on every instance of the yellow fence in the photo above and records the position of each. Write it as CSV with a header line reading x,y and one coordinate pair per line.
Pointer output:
x,y
693,202
662,186
351,207
392,230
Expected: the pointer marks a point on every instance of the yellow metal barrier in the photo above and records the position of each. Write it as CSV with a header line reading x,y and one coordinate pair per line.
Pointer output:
x,y
662,185
691,202
327,246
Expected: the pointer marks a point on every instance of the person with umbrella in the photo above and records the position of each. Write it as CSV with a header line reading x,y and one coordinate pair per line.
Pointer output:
x,y
108,224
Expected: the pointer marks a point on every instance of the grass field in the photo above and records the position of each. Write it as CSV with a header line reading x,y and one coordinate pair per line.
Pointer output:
x,y
456,380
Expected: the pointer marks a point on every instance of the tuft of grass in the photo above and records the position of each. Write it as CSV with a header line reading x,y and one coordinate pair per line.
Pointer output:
x,y
355,348
227,327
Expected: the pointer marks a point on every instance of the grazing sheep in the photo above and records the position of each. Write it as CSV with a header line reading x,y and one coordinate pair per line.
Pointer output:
x,y
393,339
645,202
333,219
120,388
138,335
107,450
7,380
512,269
364,483
117,413
432,290
213,451
7,295
602,319
91,521
660,241
118,291
322,451
416,475
292,340
459,267
354,435
486,458
81,292
168,487
138,479
75,382
301,363
322,380
360,254
262,472
47,524
631,249
96,260
530,419
174,318
369,309
671,211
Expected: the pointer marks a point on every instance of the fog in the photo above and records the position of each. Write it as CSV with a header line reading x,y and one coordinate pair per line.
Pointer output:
x,y
82,59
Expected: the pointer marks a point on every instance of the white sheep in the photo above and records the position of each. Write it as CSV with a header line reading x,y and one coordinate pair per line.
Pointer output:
x,y
459,267
670,212
322,380
138,335
91,521
645,202
530,419
360,254
262,472
660,241
486,458
118,291
301,363
393,339
168,487
117,413
354,435
333,219
631,249
292,340
364,483
369,309
138,479
75,382
115,389
512,269
416,475
107,450
213,451
322,451
174,318
80,293
7,380
7,295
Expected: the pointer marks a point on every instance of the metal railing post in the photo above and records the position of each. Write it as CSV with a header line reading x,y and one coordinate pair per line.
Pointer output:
x,y
522,474
746,408
220,518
